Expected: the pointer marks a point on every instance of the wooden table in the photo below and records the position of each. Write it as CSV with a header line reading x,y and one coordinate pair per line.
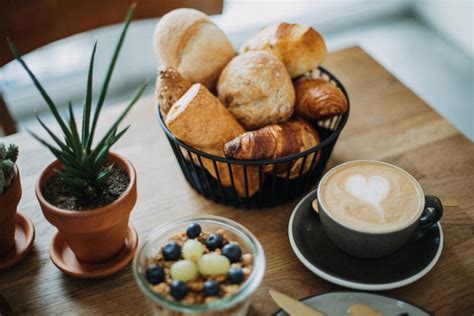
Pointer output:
x,y
388,122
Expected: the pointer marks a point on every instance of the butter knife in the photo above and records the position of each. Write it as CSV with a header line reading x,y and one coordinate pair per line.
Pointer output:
x,y
292,306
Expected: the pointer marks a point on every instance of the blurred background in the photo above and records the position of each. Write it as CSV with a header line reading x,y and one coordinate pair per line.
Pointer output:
x,y
426,44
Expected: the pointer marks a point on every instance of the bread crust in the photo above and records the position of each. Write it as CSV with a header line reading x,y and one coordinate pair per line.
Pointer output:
x,y
189,41
202,122
257,89
299,47
276,141
170,86
317,99
173,31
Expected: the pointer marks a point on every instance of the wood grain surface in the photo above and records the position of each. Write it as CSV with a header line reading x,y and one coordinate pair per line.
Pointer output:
x,y
388,122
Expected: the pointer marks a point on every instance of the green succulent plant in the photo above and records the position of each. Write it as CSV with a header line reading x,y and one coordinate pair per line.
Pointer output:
x,y
8,157
83,160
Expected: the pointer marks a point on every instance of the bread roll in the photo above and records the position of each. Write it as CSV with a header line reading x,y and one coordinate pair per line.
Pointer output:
x,y
170,86
257,89
299,47
317,99
276,141
202,122
187,40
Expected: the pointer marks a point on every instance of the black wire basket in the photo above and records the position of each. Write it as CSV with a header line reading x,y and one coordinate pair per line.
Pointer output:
x,y
260,183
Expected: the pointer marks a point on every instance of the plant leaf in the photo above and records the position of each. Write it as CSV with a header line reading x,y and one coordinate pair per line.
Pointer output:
x,y
100,158
64,157
76,172
138,93
77,183
119,135
40,88
88,99
75,139
103,175
108,76
56,139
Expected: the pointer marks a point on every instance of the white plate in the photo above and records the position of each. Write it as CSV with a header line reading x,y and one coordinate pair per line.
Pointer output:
x,y
337,303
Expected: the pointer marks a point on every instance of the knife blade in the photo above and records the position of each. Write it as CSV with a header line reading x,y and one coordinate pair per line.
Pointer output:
x,y
292,306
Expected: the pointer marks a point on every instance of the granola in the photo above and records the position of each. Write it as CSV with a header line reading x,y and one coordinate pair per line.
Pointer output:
x,y
199,267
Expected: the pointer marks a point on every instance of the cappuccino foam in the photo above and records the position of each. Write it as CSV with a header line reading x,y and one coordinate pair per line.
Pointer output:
x,y
371,196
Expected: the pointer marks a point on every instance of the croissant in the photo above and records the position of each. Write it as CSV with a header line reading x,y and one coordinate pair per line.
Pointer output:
x,y
317,99
275,141
170,86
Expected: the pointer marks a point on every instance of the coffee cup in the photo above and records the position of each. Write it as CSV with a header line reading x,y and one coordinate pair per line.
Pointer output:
x,y
370,209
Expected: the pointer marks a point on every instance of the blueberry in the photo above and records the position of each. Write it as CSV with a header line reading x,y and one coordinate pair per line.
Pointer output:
x,y
214,241
235,275
178,290
211,288
155,275
232,252
172,251
193,230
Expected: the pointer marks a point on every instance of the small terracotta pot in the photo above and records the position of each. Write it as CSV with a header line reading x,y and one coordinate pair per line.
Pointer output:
x,y
8,206
98,234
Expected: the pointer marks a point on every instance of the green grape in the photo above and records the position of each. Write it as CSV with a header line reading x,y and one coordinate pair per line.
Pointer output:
x,y
212,264
183,270
192,250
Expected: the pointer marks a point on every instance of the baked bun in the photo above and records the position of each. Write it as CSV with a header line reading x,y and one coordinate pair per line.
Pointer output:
x,y
257,89
200,120
187,40
276,141
299,47
170,86
317,99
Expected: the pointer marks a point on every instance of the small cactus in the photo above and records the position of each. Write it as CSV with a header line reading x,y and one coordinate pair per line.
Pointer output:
x,y
8,157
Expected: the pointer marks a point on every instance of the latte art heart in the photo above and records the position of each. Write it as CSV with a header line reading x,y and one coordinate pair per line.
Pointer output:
x,y
370,196
371,190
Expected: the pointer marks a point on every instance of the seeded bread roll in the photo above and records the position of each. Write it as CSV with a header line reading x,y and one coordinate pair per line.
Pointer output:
x,y
170,86
187,40
257,89
200,120
299,47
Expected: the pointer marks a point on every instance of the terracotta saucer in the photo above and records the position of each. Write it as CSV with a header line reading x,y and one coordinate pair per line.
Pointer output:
x,y
24,237
63,257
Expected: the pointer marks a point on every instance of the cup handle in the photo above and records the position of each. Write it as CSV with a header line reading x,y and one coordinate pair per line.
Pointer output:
x,y
431,214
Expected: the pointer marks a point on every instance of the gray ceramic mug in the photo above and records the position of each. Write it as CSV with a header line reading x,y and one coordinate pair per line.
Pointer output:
x,y
363,244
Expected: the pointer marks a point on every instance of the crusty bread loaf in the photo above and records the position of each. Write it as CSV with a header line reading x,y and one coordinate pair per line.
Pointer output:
x,y
299,47
276,141
201,121
317,99
257,89
170,86
187,40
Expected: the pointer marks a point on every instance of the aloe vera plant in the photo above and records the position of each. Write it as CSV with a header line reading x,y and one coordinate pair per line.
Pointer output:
x,y
84,161
8,157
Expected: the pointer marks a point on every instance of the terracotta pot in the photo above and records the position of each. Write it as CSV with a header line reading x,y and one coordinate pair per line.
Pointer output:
x,y
8,205
98,234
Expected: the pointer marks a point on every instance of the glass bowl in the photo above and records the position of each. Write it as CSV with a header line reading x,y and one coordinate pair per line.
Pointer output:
x,y
237,304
